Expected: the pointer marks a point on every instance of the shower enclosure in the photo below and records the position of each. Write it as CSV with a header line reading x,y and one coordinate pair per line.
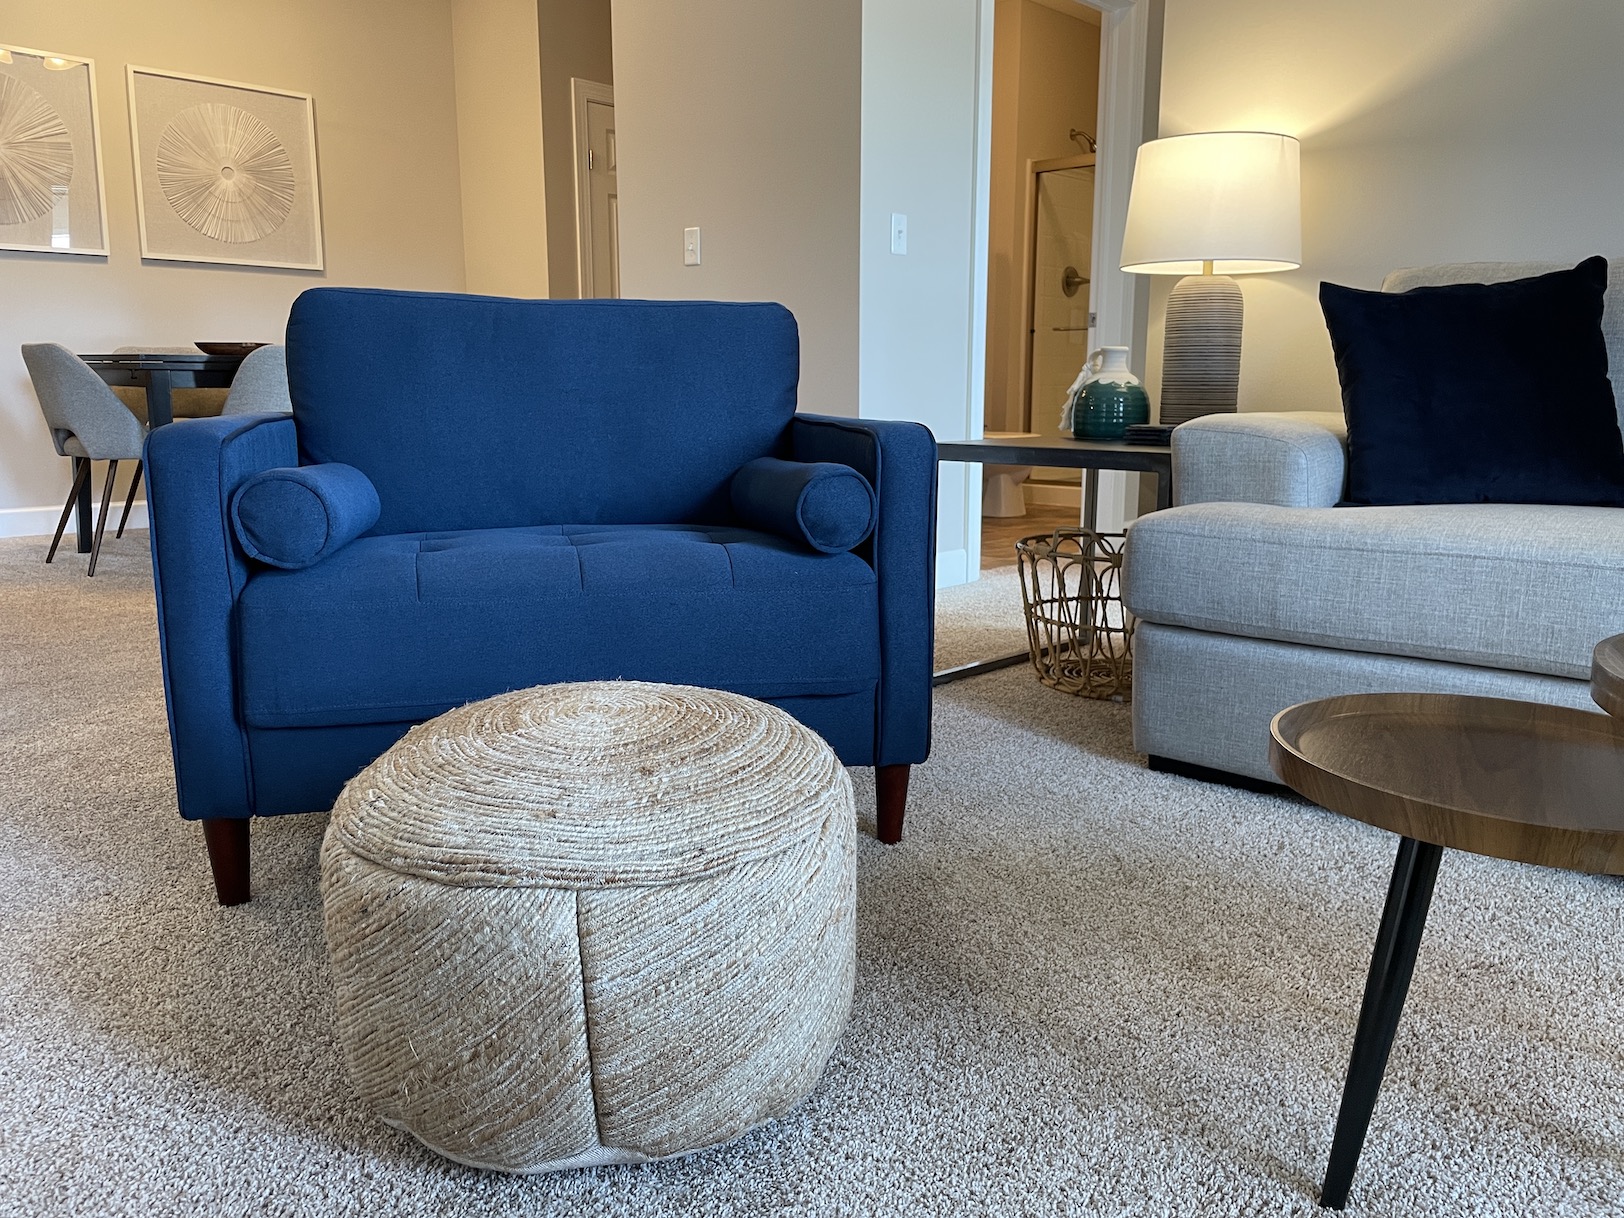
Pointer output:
x,y
1062,240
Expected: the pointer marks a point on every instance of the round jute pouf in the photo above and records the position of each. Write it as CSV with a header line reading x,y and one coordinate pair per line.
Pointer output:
x,y
595,923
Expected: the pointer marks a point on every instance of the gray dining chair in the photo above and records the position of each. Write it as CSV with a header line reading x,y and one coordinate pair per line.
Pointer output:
x,y
88,423
261,383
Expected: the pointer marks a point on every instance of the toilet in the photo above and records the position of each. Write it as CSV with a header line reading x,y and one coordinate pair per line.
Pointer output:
x,y
1001,493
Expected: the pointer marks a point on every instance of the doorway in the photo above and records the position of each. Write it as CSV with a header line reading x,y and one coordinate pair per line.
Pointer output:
x,y
1045,95
597,198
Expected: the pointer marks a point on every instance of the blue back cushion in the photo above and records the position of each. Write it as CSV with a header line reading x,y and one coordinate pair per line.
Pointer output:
x,y
479,412
1479,392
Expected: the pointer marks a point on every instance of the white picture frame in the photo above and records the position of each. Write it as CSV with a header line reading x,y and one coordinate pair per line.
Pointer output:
x,y
40,210
225,172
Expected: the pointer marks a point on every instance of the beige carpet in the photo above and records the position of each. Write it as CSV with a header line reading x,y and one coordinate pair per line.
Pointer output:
x,y
1082,988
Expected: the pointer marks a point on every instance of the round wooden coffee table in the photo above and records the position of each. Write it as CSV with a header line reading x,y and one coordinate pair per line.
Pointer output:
x,y
1607,675
1515,780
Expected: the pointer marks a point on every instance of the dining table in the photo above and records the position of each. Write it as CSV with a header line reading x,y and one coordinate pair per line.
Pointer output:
x,y
158,373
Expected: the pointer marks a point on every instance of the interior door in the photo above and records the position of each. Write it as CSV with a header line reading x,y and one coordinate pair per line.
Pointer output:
x,y
603,203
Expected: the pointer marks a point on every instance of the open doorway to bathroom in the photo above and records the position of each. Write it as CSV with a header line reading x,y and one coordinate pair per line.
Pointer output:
x,y
1041,209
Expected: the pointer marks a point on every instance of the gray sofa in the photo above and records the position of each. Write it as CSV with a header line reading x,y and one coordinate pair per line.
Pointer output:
x,y
1252,594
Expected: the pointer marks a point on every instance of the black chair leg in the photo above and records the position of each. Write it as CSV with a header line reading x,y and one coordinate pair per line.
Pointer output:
x,y
129,502
81,472
101,517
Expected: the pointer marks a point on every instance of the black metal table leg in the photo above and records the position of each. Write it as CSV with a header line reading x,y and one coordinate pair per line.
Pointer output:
x,y
1391,965
959,672
81,508
160,407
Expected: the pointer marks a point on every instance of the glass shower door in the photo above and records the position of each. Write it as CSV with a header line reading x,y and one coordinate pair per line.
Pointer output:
x,y
1061,270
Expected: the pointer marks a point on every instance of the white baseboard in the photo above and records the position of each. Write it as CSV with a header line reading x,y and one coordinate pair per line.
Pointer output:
x,y
952,568
41,521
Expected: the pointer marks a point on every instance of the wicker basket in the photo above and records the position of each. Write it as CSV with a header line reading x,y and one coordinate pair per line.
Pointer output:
x,y
1079,634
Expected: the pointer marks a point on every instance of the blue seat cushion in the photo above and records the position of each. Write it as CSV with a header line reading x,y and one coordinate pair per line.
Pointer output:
x,y
401,627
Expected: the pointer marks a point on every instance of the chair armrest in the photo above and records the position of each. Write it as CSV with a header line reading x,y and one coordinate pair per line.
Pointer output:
x,y
899,461
198,570
1297,459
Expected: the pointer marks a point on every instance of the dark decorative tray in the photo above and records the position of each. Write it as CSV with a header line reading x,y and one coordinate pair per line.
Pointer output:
x,y
1148,433
227,348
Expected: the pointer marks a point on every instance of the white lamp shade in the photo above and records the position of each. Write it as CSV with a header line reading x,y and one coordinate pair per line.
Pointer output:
x,y
1232,198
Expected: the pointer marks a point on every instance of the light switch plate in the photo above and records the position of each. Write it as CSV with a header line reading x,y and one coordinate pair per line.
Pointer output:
x,y
899,233
690,247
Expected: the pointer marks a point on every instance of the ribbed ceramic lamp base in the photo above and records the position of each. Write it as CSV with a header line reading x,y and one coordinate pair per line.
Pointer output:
x,y
1201,355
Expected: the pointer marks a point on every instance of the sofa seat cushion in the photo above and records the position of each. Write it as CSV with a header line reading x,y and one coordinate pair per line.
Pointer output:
x,y
1520,587
403,627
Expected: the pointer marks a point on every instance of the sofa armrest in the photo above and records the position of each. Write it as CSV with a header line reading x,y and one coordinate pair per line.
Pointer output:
x,y
1289,460
899,461
198,570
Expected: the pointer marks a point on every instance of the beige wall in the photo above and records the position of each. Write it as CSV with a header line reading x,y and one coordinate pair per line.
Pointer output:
x,y
789,134
381,75
1433,131
741,117
1046,80
499,146
574,42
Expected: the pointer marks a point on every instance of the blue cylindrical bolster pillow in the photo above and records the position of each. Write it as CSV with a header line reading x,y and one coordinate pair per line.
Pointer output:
x,y
295,517
827,506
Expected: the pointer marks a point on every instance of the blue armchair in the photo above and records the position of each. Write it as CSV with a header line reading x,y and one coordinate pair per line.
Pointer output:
x,y
555,501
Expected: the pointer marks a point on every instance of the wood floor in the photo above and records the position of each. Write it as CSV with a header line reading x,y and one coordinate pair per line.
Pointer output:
x,y
999,534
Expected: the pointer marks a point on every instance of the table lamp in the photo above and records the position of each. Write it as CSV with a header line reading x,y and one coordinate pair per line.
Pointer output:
x,y
1208,206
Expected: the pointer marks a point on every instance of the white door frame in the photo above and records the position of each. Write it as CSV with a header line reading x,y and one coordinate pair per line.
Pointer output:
x,y
1130,36
981,229
581,93
1129,113
1127,118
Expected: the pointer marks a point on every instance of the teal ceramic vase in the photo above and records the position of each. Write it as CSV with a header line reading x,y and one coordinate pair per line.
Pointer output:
x,y
1111,401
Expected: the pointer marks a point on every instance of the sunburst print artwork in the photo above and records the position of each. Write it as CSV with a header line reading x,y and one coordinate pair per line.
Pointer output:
x,y
225,173
52,196
36,153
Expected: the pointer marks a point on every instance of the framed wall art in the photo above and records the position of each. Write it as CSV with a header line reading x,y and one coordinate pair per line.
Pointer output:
x,y
224,172
53,198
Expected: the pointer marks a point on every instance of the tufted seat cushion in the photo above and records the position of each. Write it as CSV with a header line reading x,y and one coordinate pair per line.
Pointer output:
x,y
399,628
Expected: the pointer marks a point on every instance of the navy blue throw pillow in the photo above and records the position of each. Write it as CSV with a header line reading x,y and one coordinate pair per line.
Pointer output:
x,y
1478,393
822,504
297,516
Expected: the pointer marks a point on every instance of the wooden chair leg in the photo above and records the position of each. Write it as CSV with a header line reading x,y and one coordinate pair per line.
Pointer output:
x,y
129,502
891,791
101,517
80,473
227,841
